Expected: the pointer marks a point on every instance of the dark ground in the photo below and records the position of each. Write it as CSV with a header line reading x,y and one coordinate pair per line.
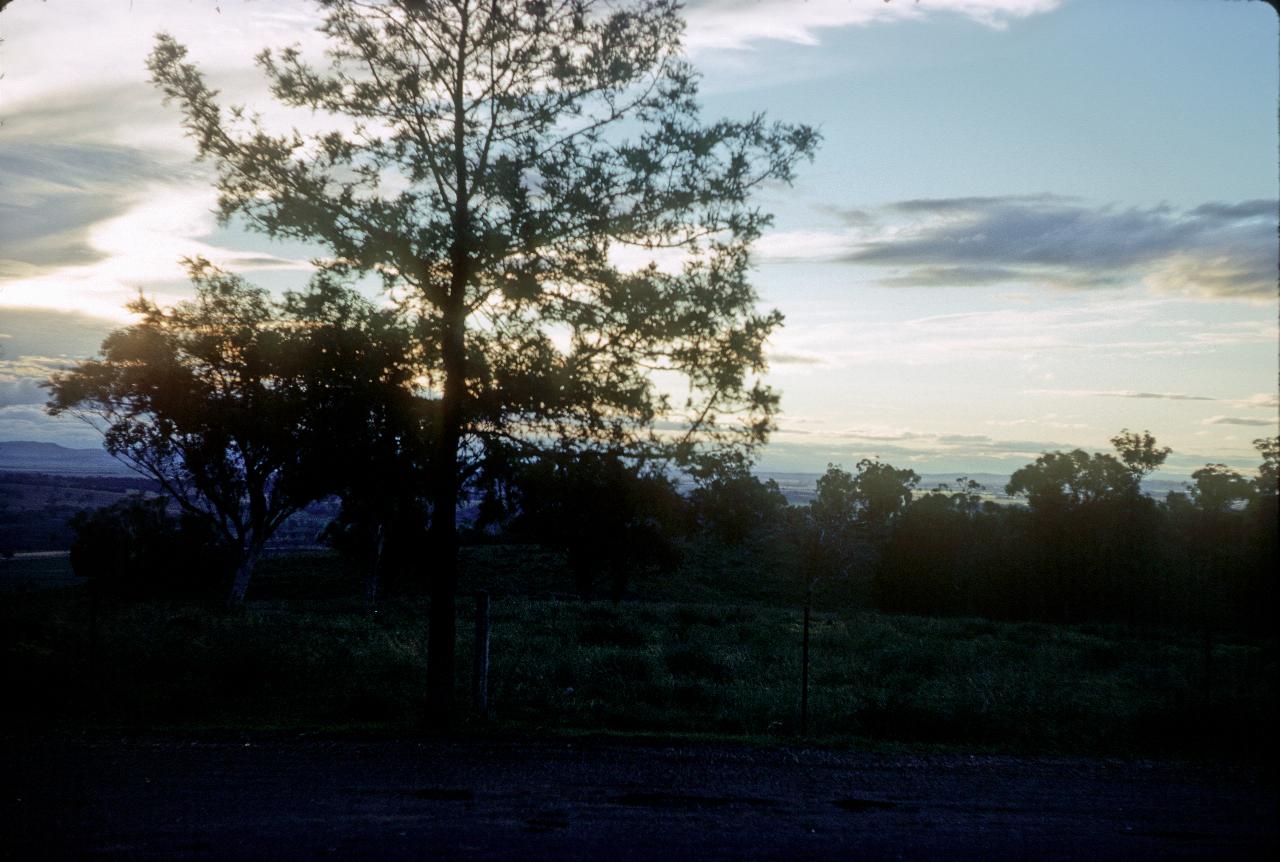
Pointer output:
x,y
269,797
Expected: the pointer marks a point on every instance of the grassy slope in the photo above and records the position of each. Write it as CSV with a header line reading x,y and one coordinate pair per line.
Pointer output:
x,y
718,653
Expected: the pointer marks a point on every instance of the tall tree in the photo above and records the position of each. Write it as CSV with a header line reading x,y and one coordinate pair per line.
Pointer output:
x,y
487,159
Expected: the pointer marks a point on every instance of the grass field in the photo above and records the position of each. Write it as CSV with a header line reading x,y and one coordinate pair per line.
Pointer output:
x,y
305,654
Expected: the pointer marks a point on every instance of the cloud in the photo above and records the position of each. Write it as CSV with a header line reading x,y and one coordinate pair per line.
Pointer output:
x,y
141,246
1049,420
739,23
22,378
55,193
1240,420
20,390
36,343
1262,399
795,359
1118,393
1224,250
1015,339
941,451
30,334
30,422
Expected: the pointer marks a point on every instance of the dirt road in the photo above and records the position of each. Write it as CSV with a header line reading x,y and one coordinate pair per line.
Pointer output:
x,y
264,798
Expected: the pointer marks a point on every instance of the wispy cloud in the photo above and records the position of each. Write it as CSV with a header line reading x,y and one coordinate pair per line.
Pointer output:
x,y
141,243
38,342
1262,400
1222,250
21,379
43,332
1050,420
1118,393
30,422
740,23
796,359
1095,326
20,390
56,193
921,450
1242,420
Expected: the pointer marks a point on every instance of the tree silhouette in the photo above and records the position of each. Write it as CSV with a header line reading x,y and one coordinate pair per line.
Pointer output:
x,y
1139,452
1267,483
847,523
243,409
882,491
1265,528
1059,480
734,505
1218,488
934,551
613,519
1094,532
487,159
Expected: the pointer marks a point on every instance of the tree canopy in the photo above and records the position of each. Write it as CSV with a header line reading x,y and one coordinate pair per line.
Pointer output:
x,y
494,162
239,405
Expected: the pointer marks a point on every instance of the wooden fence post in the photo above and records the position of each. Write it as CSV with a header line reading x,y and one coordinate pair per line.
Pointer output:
x,y
804,674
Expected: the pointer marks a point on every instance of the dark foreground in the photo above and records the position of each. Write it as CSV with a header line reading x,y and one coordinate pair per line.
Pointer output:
x,y
264,798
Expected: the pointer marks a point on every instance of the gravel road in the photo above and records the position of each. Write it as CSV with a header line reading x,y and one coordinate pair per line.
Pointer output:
x,y
272,798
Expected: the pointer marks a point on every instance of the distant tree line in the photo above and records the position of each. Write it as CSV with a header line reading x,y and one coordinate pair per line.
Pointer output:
x,y
1083,544
115,484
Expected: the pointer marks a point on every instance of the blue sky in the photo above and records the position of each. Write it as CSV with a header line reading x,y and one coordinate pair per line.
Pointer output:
x,y
1031,223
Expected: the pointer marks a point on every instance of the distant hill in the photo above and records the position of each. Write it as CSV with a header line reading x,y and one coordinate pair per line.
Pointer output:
x,y
28,456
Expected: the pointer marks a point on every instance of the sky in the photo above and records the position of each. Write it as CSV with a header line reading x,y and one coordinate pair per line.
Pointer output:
x,y
1031,223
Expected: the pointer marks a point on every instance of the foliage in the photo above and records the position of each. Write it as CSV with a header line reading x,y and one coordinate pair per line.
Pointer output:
x,y
243,408
1268,481
613,519
1060,480
736,506
525,142
1218,488
840,535
882,491
1139,452
835,501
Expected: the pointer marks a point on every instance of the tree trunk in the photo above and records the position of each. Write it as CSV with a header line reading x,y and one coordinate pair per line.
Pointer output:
x,y
442,618
244,571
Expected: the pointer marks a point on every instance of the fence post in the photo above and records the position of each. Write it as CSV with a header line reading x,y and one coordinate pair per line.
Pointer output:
x,y
480,669
804,674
